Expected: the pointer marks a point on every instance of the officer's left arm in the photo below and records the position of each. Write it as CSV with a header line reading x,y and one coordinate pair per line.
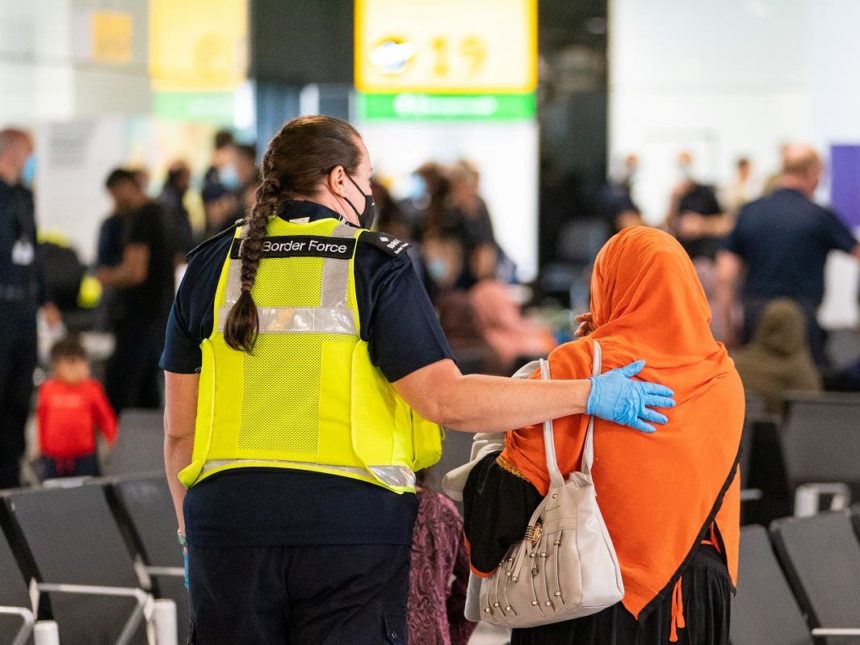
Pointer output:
x,y
180,414
130,272
481,403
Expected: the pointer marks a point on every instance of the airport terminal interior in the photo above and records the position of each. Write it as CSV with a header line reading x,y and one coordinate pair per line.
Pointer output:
x,y
282,283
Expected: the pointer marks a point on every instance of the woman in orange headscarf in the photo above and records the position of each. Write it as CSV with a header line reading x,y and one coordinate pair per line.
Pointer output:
x,y
670,499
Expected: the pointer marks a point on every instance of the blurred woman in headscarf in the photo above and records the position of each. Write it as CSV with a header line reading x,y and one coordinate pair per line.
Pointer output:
x,y
670,499
512,337
778,359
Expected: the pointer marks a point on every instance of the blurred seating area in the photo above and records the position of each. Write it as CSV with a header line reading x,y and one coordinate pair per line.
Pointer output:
x,y
801,581
97,557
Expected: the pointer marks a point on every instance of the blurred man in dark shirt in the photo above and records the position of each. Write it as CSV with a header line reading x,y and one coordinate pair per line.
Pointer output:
x,y
172,198
695,216
22,292
109,247
782,240
144,284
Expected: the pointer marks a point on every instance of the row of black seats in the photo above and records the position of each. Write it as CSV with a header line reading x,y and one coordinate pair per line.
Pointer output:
x,y
799,582
96,553
800,578
793,462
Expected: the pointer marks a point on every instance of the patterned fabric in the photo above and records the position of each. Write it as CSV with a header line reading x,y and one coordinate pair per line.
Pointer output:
x,y
436,604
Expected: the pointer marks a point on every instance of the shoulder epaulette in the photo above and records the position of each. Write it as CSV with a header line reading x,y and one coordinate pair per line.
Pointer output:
x,y
385,242
231,231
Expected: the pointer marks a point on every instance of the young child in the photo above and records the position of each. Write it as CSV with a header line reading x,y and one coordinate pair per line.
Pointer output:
x,y
71,406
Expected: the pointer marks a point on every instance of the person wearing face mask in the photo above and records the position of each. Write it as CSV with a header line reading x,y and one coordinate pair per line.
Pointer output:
x,y
22,292
222,170
306,377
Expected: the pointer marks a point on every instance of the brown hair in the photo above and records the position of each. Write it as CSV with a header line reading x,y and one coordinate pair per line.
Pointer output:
x,y
68,349
298,156
438,190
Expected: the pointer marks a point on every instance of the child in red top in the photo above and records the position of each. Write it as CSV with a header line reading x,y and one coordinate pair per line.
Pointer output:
x,y
71,406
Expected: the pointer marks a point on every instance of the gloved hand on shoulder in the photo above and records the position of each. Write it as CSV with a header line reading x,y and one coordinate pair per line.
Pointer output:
x,y
616,397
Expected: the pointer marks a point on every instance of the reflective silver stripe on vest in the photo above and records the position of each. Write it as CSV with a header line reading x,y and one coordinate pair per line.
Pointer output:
x,y
316,320
333,316
234,277
335,277
395,476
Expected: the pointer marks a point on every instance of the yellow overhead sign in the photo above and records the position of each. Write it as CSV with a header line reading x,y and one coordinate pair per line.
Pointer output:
x,y
112,35
446,46
198,45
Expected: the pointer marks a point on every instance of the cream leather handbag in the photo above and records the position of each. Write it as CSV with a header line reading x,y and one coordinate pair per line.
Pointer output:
x,y
565,567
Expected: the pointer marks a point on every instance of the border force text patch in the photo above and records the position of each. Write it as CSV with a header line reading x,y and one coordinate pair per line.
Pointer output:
x,y
302,246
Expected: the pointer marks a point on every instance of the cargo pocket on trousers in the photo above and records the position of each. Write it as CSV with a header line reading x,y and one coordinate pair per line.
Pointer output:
x,y
394,623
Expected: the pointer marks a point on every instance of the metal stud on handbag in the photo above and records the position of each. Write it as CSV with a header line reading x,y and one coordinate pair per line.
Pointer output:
x,y
565,567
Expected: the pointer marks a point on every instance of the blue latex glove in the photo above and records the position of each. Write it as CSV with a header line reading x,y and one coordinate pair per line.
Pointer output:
x,y
185,564
616,397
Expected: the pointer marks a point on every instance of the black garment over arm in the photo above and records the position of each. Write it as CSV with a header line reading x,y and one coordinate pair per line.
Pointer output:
x,y
150,299
18,224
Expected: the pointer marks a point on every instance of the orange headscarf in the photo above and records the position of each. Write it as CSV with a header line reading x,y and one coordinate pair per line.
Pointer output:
x,y
658,493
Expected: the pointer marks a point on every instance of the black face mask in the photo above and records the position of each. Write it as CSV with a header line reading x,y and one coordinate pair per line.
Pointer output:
x,y
365,217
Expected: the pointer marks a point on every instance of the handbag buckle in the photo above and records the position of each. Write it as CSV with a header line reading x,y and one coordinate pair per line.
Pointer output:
x,y
533,533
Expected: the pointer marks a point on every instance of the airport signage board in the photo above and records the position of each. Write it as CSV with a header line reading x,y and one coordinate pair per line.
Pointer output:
x,y
441,59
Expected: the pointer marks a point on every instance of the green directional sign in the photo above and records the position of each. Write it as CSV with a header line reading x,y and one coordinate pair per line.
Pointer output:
x,y
211,107
443,107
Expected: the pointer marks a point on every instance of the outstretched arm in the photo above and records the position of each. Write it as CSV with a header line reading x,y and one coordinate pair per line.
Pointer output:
x,y
479,403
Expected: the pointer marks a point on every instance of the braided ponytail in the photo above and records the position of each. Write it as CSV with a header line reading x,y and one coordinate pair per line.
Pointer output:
x,y
297,159
243,322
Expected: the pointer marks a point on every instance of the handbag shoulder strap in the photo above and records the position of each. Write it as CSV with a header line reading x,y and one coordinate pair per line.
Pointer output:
x,y
555,477
588,450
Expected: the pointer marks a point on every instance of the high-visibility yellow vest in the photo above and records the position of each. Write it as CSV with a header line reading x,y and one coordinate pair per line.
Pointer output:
x,y
308,397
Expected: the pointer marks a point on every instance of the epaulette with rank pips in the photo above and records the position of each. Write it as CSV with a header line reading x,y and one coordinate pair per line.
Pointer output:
x,y
388,243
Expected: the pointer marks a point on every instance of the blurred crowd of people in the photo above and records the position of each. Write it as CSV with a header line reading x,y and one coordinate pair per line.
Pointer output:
x,y
465,270
143,242
760,249
753,241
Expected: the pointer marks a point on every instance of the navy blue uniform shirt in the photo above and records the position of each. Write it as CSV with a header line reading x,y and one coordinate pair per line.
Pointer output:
x,y
702,200
265,507
20,274
784,240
